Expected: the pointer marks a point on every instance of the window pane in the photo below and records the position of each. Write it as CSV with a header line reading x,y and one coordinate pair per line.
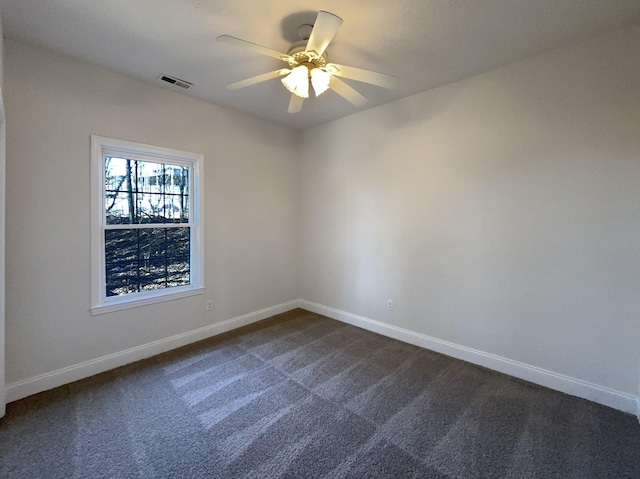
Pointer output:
x,y
178,244
116,174
183,206
118,206
146,259
121,262
121,279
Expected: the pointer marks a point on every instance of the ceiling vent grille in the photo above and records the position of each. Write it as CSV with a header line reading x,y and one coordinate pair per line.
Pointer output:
x,y
176,81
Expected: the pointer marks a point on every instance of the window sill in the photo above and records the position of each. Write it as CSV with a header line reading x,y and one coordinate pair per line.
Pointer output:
x,y
144,301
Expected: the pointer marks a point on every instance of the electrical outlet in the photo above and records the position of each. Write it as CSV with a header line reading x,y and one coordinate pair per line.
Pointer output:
x,y
209,305
390,304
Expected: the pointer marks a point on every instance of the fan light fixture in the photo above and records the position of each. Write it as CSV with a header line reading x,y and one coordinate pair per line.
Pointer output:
x,y
297,82
308,65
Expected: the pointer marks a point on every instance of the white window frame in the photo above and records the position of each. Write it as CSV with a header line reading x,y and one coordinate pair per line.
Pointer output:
x,y
101,147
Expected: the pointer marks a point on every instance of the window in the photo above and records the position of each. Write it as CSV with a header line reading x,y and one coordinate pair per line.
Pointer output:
x,y
146,234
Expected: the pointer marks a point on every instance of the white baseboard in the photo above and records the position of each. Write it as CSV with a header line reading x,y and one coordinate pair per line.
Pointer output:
x,y
559,382
53,379
575,387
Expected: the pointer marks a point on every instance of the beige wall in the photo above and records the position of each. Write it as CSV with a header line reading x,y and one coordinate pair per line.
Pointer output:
x,y
501,213
55,104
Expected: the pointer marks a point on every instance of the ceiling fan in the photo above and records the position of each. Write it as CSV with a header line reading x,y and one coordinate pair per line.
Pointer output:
x,y
308,64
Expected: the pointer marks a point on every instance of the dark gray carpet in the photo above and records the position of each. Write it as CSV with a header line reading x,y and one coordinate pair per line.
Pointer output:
x,y
300,395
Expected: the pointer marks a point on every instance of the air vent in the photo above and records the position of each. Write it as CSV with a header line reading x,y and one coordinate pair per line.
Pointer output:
x,y
176,81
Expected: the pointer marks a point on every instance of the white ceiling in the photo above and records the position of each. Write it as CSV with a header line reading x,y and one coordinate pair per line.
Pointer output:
x,y
426,43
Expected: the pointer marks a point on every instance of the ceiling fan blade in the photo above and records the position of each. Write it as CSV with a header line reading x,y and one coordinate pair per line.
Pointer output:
x,y
295,104
325,28
346,92
366,76
257,79
229,40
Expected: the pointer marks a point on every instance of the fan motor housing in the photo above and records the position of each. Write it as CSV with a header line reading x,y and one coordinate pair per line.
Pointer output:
x,y
299,54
